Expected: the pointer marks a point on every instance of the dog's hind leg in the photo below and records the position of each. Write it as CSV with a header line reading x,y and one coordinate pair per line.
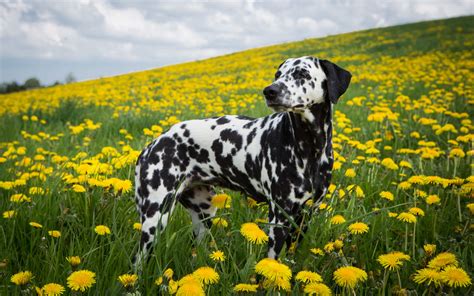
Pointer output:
x,y
197,201
155,213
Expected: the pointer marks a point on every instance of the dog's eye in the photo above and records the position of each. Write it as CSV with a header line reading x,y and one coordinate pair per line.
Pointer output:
x,y
277,74
302,74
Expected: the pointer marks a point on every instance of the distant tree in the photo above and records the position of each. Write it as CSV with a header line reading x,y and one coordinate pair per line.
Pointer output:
x,y
32,82
56,83
3,88
14,87
70,78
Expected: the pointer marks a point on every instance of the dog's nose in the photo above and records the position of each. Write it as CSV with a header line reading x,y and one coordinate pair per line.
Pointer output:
x,y
271,91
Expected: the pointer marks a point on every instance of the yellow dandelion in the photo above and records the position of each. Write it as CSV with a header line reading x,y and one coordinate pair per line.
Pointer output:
x,y
428,276
168,273
404,185
253,233
317,289
389,164
190,289
306,276
393,260
217,256
457,153
272,269
122,186
251,202
172,287
221,222
81,280
52,289
470,206
349,276
260,220
35,225
19,198
432,199
36,190
54,233
317,251
406,217
359,192
416,211
245,288
341,193
21,278
420,193
128,280
392,214
442,260
74,260
279,284
405,164
102,230
337,219
159,281
338,244
329,247
430,249
9,214
206,275
137,226
78,188
455,277
387,195
350,173
358,228
221,201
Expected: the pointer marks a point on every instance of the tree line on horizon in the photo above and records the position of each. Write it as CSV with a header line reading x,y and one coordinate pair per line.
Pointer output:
x,y
31,83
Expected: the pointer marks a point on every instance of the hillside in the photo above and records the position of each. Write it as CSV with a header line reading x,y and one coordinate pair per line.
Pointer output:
x,y
403,145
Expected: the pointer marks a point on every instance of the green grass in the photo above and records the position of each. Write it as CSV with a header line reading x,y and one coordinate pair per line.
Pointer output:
x,y
432,59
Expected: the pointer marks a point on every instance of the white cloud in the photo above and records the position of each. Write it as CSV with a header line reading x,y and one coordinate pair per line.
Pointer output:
x,y
157,33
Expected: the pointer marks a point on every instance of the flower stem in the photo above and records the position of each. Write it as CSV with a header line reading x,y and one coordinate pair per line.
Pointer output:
x,y
459,207
413,242
399,280
385,278
406,237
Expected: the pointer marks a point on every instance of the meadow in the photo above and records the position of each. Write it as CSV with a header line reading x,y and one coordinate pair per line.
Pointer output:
x,y
398,218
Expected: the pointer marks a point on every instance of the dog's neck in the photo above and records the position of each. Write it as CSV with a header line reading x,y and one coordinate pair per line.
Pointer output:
x,y
312,129
313,126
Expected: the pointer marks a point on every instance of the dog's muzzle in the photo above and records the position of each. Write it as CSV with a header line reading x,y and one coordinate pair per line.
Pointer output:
x,y
273,95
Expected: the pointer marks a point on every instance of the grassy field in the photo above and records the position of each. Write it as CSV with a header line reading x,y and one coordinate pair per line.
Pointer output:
x,y
403,142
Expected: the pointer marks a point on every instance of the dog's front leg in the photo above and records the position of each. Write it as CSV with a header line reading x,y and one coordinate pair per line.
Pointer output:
x,y
279,231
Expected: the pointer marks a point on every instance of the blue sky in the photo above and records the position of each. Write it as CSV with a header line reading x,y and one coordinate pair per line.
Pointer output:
x,y
49,39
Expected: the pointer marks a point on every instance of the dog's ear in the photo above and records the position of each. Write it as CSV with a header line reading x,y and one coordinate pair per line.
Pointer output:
x,y
338,80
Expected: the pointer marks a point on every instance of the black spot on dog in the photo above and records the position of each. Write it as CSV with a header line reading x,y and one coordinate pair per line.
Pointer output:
x,y
251,136
222,120
204,206
233,137
152,209
145,238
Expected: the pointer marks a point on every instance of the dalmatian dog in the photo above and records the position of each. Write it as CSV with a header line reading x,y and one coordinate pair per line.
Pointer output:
x,y
283,159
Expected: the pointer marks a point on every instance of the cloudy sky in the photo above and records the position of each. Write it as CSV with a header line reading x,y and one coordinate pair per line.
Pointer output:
x,y
94,38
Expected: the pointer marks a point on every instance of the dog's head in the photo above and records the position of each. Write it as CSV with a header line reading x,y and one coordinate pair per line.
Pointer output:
x,y
302,82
